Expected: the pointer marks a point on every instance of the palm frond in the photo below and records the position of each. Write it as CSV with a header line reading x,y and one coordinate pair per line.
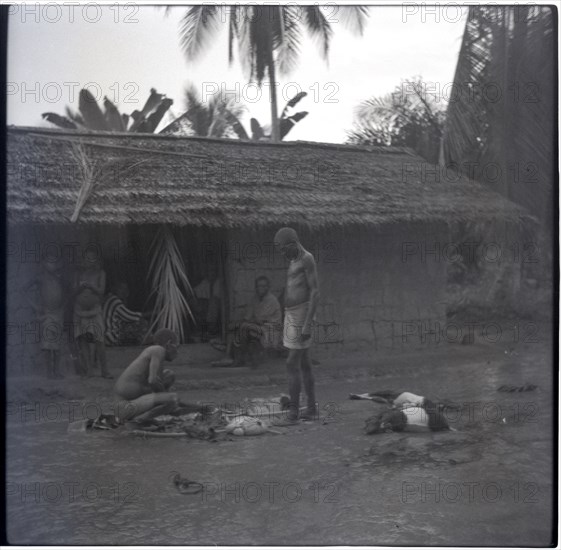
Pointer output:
x,y
152,103
113,118
90,111
170,285
74,116
126,119
319,27
256,130
156,117
286,124
89,171
236,125
353,17
198,27
60,121
232,31
293,102
287,37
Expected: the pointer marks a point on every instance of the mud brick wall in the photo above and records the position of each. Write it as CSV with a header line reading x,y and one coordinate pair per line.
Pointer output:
x,y
371,297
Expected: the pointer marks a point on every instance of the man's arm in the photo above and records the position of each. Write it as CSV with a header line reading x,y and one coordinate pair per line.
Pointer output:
x,y
154,380
312,280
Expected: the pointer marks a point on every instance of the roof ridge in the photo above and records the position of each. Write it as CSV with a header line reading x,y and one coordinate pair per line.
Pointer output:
x,y
379,149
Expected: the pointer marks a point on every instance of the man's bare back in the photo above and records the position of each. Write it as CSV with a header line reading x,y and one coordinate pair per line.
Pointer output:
x,y
144,375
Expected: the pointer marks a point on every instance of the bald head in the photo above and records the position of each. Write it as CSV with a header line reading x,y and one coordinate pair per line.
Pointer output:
x,y
164,336
286,236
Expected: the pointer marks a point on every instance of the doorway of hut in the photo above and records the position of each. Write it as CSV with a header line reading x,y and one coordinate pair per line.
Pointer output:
x,y
133,259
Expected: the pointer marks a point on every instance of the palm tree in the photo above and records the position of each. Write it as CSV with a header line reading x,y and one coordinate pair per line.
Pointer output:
x,y
408,117
219,117
500,117
268,37
91,117
504,97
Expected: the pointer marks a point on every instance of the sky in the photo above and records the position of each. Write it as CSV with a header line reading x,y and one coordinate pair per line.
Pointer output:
x,y
122,51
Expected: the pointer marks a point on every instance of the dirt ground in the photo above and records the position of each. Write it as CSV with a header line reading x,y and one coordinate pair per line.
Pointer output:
x,y
487,483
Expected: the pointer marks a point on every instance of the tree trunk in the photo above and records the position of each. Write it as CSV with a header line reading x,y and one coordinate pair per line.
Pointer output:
x,y
275,130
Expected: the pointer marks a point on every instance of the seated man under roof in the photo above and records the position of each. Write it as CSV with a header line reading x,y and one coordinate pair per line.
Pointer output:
x,y
261,323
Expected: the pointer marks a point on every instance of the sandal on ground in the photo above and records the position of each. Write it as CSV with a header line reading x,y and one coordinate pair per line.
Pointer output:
x,y
186,486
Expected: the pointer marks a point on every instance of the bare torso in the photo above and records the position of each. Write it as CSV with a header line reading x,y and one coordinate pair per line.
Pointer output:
x,y
134,380
297,288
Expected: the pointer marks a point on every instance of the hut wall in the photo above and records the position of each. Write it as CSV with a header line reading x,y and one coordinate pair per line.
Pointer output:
x,y
373,296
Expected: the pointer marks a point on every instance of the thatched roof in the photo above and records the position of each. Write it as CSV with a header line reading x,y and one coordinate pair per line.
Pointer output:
x,y
142,178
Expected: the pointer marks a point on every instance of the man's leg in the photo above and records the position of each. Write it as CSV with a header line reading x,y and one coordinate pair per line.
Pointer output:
x,y
102,358
84,353
146,407
293,367
241,341
309,385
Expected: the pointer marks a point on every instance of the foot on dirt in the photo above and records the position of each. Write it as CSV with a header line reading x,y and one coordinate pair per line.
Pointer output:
x,y
310,415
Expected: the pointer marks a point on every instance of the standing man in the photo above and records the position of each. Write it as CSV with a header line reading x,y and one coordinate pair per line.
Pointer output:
x,y
300,302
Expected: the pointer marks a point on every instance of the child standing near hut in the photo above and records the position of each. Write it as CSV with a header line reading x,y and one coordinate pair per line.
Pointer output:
x,y
50,311
89,329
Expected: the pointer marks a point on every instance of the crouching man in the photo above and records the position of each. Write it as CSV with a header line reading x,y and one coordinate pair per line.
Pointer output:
x,y
142,391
